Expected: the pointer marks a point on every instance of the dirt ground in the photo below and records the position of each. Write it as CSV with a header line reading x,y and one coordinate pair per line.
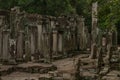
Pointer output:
x,y
64,66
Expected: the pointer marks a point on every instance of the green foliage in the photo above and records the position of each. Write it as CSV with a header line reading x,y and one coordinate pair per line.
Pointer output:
x,y
109,13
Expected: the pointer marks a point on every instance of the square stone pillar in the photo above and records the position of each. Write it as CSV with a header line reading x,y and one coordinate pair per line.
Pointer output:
x,y
47,51
55,42
39,27
60,43
33,39
94,30
82,34
0,44
32,43
5,50
2,23
20,47
46,46
27,55
114,38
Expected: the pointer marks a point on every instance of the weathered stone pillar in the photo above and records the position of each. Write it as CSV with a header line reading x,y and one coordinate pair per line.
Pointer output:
x,y
48,47
32,39
52,22
94,30
60,43
32,44
27,55
55,42
15,21
0,44
20,47
104,41
114,38
109,46
94,15
82,40
87,38
6,53
1,25
39,37
44,44
83,35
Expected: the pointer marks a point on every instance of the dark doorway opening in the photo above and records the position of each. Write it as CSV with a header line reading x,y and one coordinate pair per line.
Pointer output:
x,y
118,33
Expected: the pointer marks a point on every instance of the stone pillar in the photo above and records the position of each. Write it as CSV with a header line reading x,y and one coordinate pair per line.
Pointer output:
x,y
87,38
109,45
60,43
99,59
81,34
1,25
52,24
32,39
104,41
114,38
55,42
94,15
94,30
84,41
43,43
27,55
6,54
48,47
15,21
20,47
39,37
0,44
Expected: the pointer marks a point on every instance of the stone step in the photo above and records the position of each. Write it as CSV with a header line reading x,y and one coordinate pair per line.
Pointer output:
x,y
29,68
104,71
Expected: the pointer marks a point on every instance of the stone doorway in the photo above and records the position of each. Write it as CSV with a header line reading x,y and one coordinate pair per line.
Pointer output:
x,y
118,32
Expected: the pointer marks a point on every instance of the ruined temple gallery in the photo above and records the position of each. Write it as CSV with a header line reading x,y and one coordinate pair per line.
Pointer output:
x,y
33,37
35,43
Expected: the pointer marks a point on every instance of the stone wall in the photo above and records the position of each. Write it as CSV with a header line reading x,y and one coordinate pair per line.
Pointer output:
x,y
40,37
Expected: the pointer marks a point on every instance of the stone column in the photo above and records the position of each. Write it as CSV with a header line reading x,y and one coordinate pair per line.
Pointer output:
x,y
19,55
104,41
0,44
6,54
32,39
48,47
94,15
55,42
109,45
39,37
94,30
43,43
99,62
60,43
81,34
32,44
27,55
114,38
1,25
52,24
